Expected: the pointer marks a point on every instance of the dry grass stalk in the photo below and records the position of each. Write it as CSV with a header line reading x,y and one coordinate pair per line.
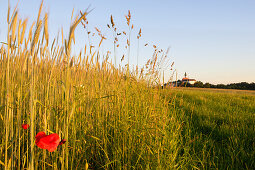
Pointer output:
x,y
24,25
112,22
39,13
30,32
62,35
71,33
36,36
19,32
8,13
46,32
139,34
13,25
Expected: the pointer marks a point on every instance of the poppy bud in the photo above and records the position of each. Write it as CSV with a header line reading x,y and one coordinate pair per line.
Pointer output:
x,y
63,141
25,126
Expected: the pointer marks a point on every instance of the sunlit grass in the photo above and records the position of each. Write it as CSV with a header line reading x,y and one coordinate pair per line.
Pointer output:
x,y
112,116
218,128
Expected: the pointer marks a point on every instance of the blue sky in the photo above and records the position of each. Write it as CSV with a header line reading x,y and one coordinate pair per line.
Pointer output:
x,y
212,40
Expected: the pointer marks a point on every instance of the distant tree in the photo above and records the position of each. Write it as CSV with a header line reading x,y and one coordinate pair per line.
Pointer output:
x,y
220,86
251,86
240,86
244,85
207,85
189,85
213,86
199,84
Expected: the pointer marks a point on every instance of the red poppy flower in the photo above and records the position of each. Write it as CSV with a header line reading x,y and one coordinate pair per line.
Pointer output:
x,y
49,142
25,126
63,141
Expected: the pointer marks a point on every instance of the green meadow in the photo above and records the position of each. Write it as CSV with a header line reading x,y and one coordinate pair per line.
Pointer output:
x,y
218,127
112,117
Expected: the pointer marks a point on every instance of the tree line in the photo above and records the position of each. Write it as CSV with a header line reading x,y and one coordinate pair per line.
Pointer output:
x,y
240,86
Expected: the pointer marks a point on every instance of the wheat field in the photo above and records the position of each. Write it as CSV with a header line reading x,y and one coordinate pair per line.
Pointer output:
x,y
111,116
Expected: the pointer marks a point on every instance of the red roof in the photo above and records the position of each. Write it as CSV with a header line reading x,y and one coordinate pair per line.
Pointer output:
x,y
187,79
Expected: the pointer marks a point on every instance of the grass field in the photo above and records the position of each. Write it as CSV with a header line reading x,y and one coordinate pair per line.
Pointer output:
x,y
218,127
112,117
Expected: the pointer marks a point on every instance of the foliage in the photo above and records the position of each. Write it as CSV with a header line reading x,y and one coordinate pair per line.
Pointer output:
x,y
240,86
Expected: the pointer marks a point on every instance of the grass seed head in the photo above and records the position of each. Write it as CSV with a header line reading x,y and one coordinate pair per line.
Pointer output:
x,y
112,22
36,36
13,25
46,32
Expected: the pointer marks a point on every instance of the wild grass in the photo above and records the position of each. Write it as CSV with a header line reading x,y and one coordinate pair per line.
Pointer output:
x,y
218,129
111,117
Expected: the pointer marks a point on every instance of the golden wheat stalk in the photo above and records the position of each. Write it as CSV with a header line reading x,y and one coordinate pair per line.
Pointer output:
x,y
46,32
19,31
36,36
13,26
39,13
71,34
24,25
31,32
